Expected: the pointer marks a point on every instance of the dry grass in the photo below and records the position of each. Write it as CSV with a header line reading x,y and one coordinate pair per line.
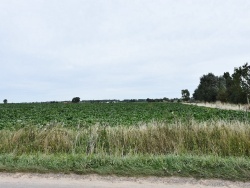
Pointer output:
x,y
218,138
224,106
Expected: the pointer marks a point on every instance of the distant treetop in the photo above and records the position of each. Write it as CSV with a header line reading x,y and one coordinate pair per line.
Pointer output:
x,y
76,100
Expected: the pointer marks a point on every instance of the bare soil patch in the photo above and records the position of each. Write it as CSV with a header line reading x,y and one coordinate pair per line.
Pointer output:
x,y
89,181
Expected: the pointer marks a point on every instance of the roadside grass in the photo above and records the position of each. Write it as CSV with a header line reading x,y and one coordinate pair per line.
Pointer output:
x,y
219,138
210,149
230,168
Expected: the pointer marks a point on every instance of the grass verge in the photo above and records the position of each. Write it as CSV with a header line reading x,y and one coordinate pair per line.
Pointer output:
x,y
213,149
230,168
218,138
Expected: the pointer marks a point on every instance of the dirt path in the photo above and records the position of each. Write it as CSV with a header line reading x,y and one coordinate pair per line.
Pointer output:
x,y
20,180
219,105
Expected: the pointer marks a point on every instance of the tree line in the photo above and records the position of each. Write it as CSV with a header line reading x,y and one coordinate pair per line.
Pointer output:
x,y
234,88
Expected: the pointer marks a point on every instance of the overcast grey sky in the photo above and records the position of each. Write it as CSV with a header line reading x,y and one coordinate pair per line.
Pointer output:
x,y
117,49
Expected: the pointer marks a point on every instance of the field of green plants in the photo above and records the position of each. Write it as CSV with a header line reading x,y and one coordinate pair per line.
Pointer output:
x,y
126,139
125,114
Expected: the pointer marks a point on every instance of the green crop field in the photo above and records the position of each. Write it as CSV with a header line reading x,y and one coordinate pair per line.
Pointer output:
x,y
126,139
125,114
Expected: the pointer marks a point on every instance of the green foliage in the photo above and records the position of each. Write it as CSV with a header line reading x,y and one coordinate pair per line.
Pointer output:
x,y
5,101
245,78
14,116
233,88
76,100
162,139
230,168
236,92
185,95
207,89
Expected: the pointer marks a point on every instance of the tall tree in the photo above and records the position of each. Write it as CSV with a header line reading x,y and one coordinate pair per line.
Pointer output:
x,y
245,80
185,95
233,88
229,83
238,95
222,89
5,101
207,89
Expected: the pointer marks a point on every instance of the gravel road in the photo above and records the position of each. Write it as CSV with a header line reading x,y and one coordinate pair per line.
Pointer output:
x,y
20,180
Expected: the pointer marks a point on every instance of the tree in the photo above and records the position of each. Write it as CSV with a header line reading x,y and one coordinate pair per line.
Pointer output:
x,y
76,100
5,101
245,80
238,94
228,85
233,88
222,89
207,89
185,95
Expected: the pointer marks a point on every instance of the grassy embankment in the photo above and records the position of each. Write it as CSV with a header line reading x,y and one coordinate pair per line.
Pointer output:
x,y
213,149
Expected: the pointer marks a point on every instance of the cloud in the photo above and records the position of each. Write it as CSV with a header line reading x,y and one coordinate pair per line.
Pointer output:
x,y
55,50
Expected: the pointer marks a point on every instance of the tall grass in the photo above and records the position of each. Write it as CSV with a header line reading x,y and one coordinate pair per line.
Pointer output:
x,y
219,138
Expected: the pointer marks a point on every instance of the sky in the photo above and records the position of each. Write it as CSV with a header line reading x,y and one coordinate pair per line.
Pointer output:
x,y
54,50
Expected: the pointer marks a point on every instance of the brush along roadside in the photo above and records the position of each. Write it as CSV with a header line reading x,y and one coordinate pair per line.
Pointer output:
x,y
219,138
212,149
